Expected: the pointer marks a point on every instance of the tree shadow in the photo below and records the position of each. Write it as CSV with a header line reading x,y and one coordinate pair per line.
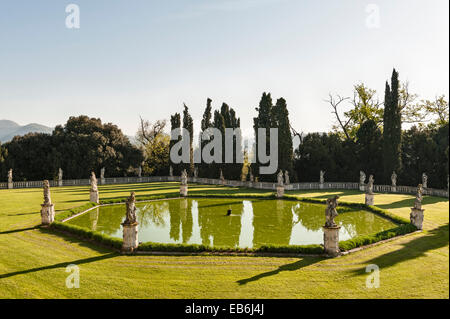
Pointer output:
x,y
304,262
60,265
433,239
409,202
18,230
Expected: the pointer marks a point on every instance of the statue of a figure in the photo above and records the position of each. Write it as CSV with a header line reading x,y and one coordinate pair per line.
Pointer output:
x,y
394,178
93,180
419,197
131,209
286,178
102,173
369,188
322,177
196,172
221,175
140,171
47,199
184,177
170,171
60,174
424,180
362,178
280,178
10,176
331,212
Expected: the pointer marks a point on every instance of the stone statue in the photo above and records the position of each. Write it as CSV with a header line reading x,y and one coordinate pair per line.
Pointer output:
x,y
362,178
93,180
331,212
394,179
60,174
196,172
10,175
102,173
221,176
131,210
47,198
184,177
286,178
140,171
280,178
369,189
419,197
424,180
322,177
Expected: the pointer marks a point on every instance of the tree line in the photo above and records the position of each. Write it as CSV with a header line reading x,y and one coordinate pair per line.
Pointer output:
x,y
80,146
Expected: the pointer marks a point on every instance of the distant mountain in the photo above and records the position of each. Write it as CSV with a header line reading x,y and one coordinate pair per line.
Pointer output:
x,y
9,129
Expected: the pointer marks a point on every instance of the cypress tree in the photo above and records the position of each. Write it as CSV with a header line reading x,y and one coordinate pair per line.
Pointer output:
x,y
392,132
205,169
285,147
175,122
219,123
188,124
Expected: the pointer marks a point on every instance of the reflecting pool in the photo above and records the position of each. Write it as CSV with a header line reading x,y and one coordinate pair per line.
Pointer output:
x,y
253,223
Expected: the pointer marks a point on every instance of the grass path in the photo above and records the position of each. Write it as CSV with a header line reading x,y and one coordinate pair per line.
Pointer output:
x,y
33,261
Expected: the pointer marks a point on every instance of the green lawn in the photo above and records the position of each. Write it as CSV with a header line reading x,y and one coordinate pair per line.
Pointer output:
x,y
33,261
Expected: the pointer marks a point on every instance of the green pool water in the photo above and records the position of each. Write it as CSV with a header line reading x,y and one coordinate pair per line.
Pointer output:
x,y
253,223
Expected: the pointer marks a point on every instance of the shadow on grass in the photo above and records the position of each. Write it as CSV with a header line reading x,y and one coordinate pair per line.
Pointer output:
x,y
409,202
18,230
434,239
304,262
60,265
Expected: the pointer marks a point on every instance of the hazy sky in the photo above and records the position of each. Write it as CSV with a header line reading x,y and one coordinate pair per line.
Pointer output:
x,y
132,58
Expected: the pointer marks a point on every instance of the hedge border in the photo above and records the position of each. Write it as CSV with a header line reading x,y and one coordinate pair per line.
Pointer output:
x,y
404,227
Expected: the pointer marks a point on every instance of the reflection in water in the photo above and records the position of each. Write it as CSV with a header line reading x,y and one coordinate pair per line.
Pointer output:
x,y
252,222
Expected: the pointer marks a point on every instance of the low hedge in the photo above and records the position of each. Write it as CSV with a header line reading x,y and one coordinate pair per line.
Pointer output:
x,y
73,211
84,233
371,239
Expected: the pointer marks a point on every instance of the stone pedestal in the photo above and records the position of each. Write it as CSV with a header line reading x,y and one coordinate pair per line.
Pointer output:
x,y
130,237
10,185
331,240
416,217
280,191
47,214
394,189
102,181
321,186
362,188
60,183
370,199
94,197
183,190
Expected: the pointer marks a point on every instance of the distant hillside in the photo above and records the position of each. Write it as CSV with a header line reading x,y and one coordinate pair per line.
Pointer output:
x,y
9,129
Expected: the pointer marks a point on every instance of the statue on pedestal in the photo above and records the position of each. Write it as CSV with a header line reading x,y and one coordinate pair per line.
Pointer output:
x,y
394,179
102,173
286,178
130,217
331,212
47,199
93,181
10,175
280,178
48,209
184,177
424,180
419,197
60,174
322,177
369,189
362,178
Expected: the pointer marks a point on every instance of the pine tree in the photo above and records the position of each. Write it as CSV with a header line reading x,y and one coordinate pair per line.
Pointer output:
x,y
392,129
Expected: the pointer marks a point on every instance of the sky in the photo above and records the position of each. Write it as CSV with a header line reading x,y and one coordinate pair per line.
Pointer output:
x,y
146,58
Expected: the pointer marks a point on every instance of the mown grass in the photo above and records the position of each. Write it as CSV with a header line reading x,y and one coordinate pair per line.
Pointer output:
x,y
33,261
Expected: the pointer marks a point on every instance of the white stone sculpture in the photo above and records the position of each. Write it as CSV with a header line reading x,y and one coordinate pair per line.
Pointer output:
x,y
369,191
331,229
424,180
286,178
48,209
280,178
331,212
130,226
416,216
60,177
94,189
